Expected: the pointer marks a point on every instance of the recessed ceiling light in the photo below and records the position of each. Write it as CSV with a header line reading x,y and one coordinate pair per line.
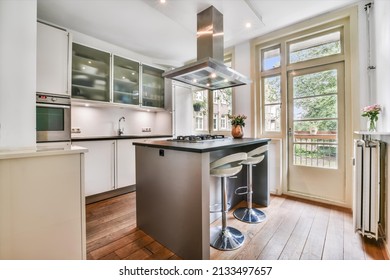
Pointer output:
x,y
248,25
89,61
162,1
194,80
213,75
86,105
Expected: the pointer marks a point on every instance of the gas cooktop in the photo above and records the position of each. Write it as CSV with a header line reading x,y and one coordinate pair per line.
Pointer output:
x,y
198,138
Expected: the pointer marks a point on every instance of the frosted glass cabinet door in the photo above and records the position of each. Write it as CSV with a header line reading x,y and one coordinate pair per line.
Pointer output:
x,y
126,81
90,73
52,59
152,87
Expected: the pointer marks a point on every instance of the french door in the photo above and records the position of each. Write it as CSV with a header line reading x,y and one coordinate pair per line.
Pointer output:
x,y
316,152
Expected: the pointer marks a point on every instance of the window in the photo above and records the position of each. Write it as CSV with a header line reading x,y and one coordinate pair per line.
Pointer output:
x,y
308,48
215,97
200,113
272,102
199,121
223,122
222,107
271,58
315,47
215,121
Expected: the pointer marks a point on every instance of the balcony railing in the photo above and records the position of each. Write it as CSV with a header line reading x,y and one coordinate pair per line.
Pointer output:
x,y
315,149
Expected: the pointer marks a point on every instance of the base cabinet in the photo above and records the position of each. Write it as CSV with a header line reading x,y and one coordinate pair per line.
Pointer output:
x,y
99,166
42,208
125,163
109,164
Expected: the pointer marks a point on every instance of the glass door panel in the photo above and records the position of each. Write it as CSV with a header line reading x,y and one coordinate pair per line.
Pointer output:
x,y
126,81
152,87
90,73
316,132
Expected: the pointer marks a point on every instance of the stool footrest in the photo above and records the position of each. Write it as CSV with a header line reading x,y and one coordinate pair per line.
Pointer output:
x,y
241,190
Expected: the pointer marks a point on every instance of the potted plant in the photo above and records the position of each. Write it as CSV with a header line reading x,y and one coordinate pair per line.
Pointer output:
x,y
371,112
199,105
238,123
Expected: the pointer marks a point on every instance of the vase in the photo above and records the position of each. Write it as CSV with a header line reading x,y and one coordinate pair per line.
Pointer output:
x,y
237,131
371,125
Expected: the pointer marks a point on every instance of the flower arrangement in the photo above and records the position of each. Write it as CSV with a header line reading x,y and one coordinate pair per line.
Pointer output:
x,y
372,113
237,120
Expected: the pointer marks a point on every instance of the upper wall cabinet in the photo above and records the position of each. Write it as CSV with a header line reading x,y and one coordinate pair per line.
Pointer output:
x,y
126,81
52,60
90,73
106,77
152,87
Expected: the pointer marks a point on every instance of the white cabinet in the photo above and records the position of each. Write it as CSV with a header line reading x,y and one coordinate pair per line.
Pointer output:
x,y
52,60
42,214
109,164
125,163
99,166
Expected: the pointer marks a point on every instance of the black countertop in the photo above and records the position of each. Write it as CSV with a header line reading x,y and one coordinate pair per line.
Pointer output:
x,y
202,147
117,137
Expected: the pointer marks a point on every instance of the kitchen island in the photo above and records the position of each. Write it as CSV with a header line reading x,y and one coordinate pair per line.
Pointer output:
x,y
175,190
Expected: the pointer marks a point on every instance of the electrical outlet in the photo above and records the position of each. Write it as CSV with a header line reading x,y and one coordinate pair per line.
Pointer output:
x,y
76,130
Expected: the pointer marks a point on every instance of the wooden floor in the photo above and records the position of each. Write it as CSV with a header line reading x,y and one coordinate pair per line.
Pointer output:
x,y
294,229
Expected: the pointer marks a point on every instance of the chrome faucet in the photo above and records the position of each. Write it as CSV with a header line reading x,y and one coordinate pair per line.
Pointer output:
x,y
121,130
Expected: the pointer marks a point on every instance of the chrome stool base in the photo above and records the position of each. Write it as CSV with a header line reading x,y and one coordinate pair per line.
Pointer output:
x,y
249,215
226,240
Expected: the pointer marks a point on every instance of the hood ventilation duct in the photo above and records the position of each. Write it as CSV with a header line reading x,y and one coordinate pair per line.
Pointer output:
x,y
209,71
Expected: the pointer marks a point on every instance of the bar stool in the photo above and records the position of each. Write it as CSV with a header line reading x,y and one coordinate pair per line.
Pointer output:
x,y
225,237
249,214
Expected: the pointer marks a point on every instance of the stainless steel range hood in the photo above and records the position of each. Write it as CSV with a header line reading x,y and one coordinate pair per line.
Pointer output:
x,y
209,71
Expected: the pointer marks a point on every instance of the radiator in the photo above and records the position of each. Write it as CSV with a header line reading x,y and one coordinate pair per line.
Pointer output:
x,y
369,208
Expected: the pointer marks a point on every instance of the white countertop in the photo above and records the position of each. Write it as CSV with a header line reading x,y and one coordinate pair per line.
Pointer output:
x,y
42,151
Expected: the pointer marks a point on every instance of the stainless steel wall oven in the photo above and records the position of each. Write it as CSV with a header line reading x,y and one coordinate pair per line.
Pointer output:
x,y
52,118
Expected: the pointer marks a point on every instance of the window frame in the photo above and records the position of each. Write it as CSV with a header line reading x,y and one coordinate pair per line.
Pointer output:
x,y
283,41
312,36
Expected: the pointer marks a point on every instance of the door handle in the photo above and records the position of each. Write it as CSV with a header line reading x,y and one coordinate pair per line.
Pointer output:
x,y
290,131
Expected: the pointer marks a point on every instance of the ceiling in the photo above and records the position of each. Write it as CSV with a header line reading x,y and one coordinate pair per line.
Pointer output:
x,y
168,31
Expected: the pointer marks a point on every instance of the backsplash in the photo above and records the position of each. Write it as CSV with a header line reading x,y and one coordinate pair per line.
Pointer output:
x,y
104,121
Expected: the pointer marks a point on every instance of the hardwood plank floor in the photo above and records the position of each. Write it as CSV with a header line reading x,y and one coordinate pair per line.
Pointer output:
x,y
294,229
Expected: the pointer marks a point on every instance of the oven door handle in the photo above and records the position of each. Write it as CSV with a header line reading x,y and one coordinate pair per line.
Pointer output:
x,y
53,106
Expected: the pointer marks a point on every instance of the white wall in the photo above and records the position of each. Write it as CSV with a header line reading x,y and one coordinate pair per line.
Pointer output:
x,y
242,94
104,121
382,53
380,82
17,74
